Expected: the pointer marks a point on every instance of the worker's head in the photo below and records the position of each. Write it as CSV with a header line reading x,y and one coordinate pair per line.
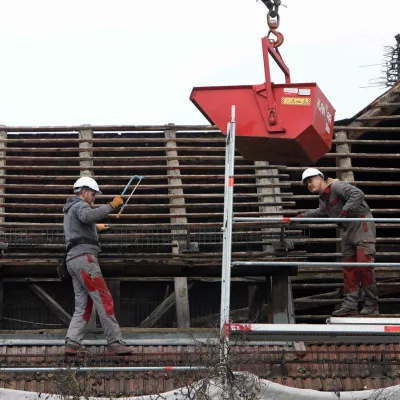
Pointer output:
x,y
313,178
86,188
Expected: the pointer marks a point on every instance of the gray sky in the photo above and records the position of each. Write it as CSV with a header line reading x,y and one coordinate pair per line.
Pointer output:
x,y
136,61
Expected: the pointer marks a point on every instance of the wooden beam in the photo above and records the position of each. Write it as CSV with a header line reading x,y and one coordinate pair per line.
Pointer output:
x,y
180,283
160,310
375,113
109,149
165,206
110,128
125,178
238,315
114,139
56,309
363,129
144,187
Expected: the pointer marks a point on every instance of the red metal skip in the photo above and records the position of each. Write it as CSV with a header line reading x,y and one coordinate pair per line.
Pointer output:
x,y
282,123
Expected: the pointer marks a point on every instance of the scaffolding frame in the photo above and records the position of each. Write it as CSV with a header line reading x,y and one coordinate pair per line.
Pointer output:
x,y
361,332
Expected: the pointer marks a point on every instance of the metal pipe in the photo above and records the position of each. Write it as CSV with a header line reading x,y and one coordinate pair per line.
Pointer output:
x,y
316,329
227,235
104,369
311,264
333,333
362,321
305,219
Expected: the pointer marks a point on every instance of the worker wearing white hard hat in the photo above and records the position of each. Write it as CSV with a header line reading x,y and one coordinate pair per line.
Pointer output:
x,y
83,248
86,181
311,172
342,200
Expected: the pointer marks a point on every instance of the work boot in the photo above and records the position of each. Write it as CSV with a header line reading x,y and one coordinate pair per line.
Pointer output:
x,y
370,310
343,312
73,349
119,348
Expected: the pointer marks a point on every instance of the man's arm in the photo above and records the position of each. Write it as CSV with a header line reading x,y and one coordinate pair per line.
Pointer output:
x,y
317,213
88,215
352,196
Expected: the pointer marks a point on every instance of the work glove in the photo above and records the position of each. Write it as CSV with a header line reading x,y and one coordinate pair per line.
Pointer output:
x,y
101,228
117,202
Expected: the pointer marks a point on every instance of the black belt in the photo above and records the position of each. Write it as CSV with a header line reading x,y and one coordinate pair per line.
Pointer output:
x,y
76,242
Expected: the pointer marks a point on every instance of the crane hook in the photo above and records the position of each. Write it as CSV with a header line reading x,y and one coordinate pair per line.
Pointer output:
x,y
273,26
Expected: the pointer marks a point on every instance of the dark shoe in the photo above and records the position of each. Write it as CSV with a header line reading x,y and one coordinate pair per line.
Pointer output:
x,y
119,348
343,312
73,349
370,310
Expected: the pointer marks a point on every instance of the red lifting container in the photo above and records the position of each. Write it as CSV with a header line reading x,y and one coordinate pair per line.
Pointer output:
x,y
282,123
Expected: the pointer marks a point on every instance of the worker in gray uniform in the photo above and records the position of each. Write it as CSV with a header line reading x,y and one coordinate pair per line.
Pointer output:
x,y
341,200
81,238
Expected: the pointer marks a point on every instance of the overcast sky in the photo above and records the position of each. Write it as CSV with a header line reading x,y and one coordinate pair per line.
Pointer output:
x,y
136,61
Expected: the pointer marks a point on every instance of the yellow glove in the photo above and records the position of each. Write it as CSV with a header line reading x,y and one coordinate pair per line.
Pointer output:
x,y
102,227
117,202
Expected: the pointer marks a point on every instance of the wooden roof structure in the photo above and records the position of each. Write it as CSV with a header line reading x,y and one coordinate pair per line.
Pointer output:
x,y
171,228
164,254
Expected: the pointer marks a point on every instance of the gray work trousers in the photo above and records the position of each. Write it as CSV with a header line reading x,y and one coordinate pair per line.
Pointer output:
x,y
91,290
358,244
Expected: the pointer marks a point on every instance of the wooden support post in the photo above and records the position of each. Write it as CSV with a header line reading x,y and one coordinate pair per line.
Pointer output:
x,y
344,162
345,174
279,288
56,309
257,296
278,311
181,286
276,304
160,310
86,170
85,151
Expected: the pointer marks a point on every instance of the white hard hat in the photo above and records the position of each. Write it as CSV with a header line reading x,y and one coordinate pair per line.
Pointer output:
x,y
88,182
310,172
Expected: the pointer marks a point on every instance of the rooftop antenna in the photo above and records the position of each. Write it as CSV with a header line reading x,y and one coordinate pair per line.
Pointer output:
x,y
390,67
392,62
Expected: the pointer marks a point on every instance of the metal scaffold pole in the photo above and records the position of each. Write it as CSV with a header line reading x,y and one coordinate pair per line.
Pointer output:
x,y
314,220
227,236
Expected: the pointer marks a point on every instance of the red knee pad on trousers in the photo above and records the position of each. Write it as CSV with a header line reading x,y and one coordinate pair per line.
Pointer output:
x,y
366,274
98,284
88,309
350,275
